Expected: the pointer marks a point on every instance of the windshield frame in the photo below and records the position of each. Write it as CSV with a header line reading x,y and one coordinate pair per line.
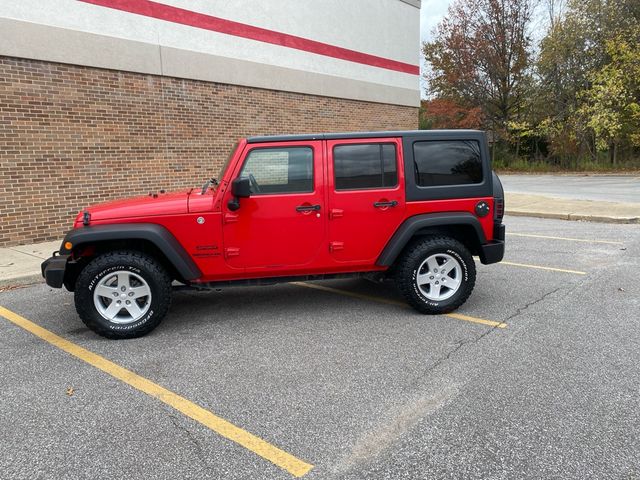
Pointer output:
x,y
227,162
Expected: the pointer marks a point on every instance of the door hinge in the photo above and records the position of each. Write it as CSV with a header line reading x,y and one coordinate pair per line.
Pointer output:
x,y
335,246
231,252
230,218
336,213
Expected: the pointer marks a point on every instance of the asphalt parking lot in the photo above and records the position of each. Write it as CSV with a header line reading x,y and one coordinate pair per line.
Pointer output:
x,y
538,378
607,188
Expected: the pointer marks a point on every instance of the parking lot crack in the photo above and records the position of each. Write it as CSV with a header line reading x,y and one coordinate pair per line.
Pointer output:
x,y
192,439
459,345
462,343
528,305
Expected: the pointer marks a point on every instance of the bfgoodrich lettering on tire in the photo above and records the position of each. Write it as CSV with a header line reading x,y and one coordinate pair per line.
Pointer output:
x,y
123,294
436,274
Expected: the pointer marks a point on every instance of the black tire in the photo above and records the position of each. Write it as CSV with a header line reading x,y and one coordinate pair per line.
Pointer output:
x,y
136,264
413,258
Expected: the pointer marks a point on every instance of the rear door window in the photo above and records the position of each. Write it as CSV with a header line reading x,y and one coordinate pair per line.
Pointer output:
x,y
365,166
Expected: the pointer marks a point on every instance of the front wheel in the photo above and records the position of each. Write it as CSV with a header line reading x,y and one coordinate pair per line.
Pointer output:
x,y
123,294
436,275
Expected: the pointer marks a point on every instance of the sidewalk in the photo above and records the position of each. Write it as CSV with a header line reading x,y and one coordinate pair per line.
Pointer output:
x,y
21,265
529,205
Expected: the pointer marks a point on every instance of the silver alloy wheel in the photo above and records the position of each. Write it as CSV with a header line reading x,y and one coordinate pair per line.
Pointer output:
x,y
122,297
439,277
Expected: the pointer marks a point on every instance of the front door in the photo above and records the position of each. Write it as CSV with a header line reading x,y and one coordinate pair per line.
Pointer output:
x,y
280,228
366,197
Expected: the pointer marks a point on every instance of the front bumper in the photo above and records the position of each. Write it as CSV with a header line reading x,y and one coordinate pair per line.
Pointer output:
x,y
53,270
493,252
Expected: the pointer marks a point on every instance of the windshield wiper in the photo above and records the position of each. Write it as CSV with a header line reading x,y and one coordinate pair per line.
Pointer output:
x,y
207,184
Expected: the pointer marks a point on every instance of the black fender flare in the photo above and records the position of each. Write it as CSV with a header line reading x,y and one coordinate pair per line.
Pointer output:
x,y
156,234
410,226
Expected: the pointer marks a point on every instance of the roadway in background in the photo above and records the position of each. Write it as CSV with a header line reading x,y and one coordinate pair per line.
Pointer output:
x,y
610,188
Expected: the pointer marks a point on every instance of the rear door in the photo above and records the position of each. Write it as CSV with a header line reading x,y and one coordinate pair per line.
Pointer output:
x,y
366,197
280,228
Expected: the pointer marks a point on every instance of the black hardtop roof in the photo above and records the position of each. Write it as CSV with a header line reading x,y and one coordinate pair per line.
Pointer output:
x,y
383,134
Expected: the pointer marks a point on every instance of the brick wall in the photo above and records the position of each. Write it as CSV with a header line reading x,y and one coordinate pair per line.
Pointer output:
x,y
71,136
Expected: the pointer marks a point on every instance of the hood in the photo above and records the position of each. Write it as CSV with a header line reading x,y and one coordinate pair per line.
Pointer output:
x,y
151,205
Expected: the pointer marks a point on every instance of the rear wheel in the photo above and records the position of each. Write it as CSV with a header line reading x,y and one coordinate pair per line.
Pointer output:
x,y
436,275
123,294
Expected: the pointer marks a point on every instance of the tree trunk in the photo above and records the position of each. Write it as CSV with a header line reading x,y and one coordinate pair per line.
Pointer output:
x,y
613,153
493,150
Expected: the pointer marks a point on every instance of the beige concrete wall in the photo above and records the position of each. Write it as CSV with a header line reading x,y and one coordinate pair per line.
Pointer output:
x,y
79,33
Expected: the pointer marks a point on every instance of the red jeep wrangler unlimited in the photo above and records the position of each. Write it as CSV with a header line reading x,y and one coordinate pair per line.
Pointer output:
x,y
412,206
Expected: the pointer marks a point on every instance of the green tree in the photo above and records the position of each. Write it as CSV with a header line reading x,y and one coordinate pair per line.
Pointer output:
x,y
574,48
574,97
612,102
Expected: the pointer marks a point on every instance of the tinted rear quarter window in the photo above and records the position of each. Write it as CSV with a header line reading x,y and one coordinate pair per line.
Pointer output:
x,y
447,162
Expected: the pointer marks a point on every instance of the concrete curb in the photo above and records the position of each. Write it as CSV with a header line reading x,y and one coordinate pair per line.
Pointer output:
x,y
21,263
542,206
22,280
574,217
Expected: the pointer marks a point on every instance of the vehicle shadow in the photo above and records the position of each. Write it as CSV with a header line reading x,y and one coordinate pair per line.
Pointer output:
x,y
255,304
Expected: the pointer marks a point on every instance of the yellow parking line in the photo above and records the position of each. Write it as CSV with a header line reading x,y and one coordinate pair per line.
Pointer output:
x,y
388,301
346,293
563,238
260,447
482,321
540,267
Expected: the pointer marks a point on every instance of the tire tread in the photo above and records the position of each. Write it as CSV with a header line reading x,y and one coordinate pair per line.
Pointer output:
x,y
415,253
84,300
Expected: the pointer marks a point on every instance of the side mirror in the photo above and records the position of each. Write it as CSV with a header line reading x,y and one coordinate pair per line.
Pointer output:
x,y
240,188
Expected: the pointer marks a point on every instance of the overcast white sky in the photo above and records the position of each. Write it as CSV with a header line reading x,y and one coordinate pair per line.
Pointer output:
x,y
431,13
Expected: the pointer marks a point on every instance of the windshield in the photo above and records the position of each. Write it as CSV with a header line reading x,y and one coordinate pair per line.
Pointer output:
x,y
226,162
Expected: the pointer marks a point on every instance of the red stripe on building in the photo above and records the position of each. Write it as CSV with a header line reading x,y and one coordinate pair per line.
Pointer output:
x,y
172,14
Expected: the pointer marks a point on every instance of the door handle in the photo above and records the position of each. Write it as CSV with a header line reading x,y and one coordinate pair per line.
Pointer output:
x,y
385,204
308,208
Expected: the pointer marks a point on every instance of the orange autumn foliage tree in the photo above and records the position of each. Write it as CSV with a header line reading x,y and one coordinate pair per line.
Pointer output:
x,y
445,113
480,55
